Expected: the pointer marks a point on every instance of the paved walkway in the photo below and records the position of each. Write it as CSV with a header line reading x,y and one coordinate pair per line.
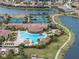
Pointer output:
x,y
69,38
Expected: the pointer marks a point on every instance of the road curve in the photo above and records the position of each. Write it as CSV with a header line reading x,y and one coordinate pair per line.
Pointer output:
x,y
69,38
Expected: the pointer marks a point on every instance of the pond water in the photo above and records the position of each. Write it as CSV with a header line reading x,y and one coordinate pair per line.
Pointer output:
x,y
73,25
22,11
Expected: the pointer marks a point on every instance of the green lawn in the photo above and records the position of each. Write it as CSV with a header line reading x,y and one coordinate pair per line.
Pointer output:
x,y
64,50
49,52
51,49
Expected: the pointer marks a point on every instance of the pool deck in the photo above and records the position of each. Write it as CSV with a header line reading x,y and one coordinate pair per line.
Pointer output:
x,y
19,40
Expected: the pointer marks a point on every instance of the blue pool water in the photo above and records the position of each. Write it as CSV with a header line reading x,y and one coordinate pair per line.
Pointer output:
x,y
39,19
17,20
33,37
35,19
73,25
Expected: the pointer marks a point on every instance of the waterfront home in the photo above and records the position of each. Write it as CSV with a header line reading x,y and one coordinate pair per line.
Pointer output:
x,y
26,3
56,32
65,9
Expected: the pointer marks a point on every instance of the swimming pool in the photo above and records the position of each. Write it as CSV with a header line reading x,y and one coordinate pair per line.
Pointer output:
x,y
23,35
17,20
39,19
34,19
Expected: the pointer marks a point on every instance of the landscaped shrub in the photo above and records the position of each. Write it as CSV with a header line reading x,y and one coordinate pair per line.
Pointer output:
x,y
40,46
43,45
53,26
2,39
55,39
47,43
15,28
22,45
36,45
12,36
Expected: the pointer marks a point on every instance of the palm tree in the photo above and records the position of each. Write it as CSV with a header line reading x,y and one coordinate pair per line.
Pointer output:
x,y
12,36
7,18
55,39
22,45
2,39
26,18
13,28
1,23
29,18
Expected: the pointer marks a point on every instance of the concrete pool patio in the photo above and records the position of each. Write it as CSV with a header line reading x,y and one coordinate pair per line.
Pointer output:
x,y
30,39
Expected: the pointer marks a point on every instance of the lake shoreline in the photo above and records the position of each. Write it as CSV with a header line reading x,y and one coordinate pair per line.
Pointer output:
x,y
65,48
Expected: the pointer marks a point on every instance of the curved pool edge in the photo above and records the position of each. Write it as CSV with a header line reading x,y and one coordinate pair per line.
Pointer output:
x,y
21,40
68,40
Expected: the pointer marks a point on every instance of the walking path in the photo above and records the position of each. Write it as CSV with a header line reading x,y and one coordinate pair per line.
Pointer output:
x,y
69,38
